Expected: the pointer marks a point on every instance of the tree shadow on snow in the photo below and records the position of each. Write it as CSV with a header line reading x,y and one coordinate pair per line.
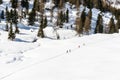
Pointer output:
x,y
23,34
20,40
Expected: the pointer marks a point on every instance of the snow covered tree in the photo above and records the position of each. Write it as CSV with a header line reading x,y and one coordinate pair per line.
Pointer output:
x,y
11,34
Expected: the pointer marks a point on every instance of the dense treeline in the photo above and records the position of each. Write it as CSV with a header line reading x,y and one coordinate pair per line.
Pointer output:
x,y
83,19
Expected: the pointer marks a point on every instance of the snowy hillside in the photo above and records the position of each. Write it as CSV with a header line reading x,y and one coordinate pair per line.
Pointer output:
x,y
95,59
62,53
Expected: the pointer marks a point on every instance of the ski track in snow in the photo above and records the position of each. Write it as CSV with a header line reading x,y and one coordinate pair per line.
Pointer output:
x,y
41,61
38,62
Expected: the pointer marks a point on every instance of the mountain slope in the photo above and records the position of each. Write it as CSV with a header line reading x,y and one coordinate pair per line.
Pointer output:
x,y
97,59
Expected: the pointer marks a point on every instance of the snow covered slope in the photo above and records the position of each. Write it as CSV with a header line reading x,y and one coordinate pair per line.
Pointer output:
x,y
97,58
91,57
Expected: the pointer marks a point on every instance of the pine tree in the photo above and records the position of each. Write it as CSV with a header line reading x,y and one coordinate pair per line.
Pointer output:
x,y
31,18
73,1
99,25
118,25
7,15
56,2
41,8
61,19
95,2
100,5
16,29
64,17
100,28
77,4
2,14
23,3
11,15
35,5
79,27
90,14
117,14
51,12
45,22
11,35
84,2
27,6
83,17
58,36
67,16
87,25
1,1
89,4
15,17
6,27
112,26
14,3
61,4
40,31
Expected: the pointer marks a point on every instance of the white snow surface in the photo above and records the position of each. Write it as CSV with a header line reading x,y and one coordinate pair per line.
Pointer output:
x,y
97,58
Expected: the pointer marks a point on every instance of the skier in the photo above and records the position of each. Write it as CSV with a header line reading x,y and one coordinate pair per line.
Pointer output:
x,y
83,44
14,59
69,50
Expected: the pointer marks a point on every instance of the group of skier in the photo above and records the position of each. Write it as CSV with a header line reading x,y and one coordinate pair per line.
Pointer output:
x,y
69,50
